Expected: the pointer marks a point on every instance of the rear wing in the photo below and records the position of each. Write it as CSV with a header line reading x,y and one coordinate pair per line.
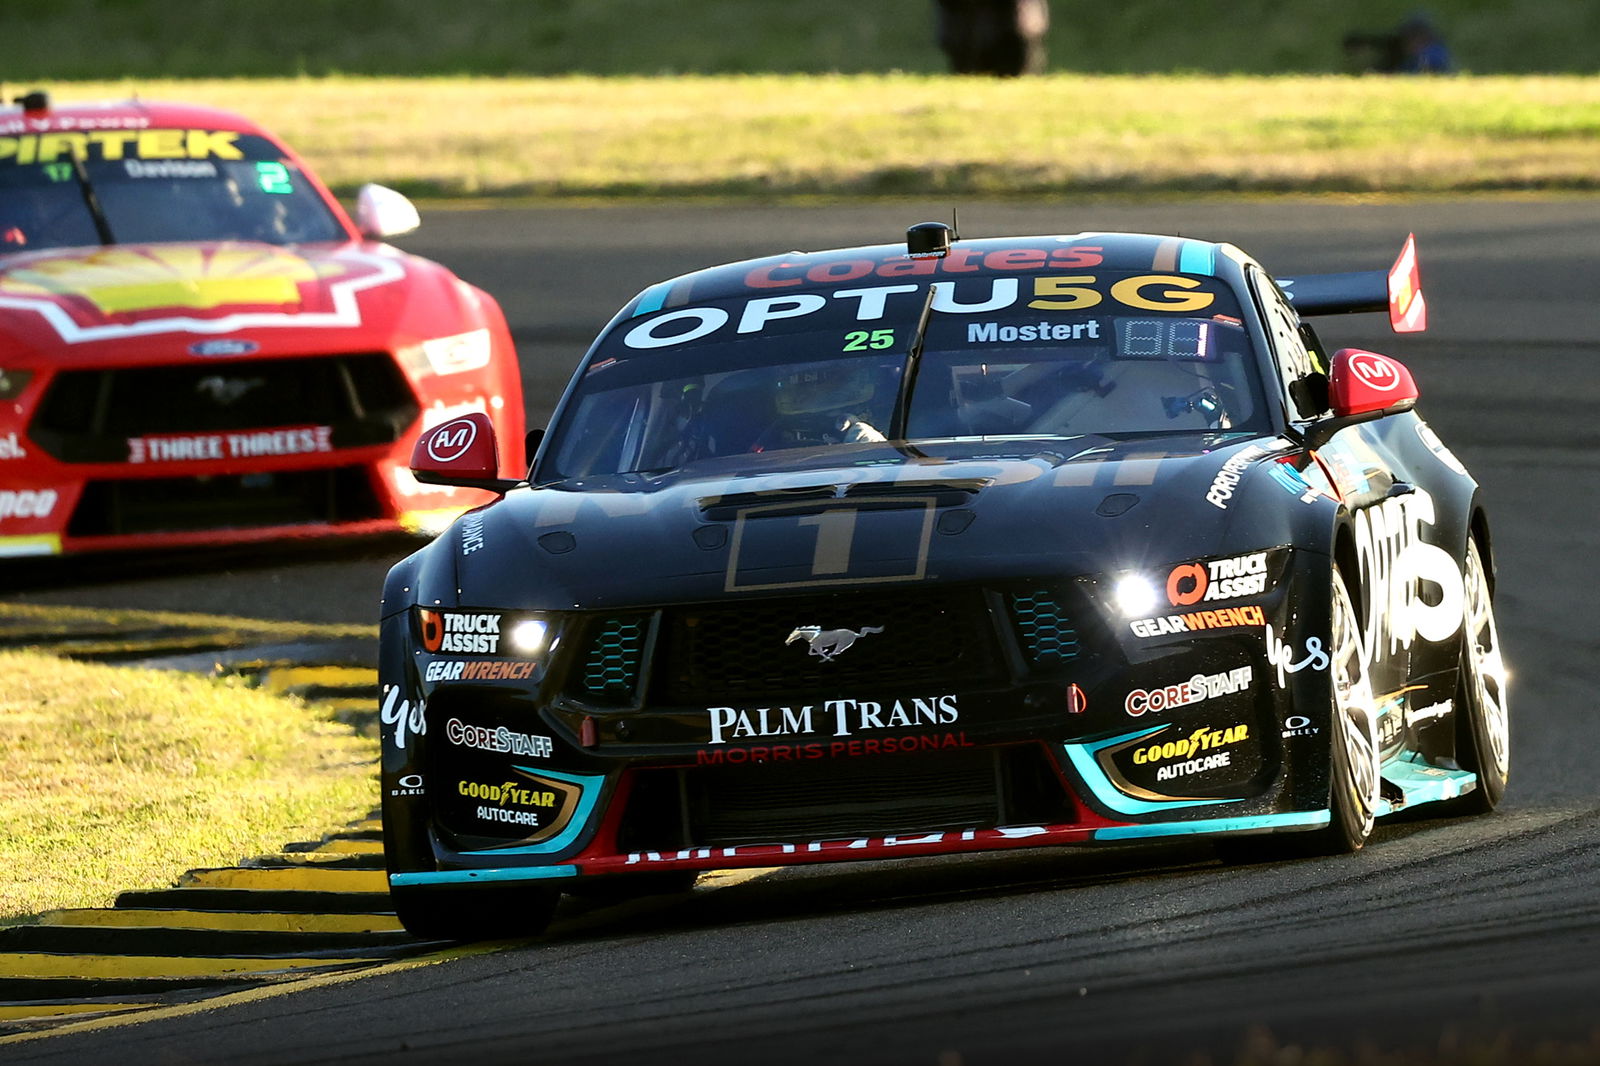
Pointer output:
x,y
1399,291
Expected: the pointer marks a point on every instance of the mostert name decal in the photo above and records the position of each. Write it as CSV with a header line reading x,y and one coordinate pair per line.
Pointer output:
x,y
839,718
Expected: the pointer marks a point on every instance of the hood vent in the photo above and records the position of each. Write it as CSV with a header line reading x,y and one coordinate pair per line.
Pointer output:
x,y
952,492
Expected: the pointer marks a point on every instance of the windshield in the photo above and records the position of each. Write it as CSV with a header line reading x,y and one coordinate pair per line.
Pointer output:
x,y
745,376
154,185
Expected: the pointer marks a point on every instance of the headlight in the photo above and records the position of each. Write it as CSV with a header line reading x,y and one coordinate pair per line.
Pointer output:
x,y
1135,595
12,382
527,637
448,355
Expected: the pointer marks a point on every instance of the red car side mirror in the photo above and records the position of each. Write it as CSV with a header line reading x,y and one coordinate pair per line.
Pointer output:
x,y
1366,383
462,451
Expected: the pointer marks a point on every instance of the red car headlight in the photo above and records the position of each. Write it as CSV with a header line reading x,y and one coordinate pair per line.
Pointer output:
x,y
12,382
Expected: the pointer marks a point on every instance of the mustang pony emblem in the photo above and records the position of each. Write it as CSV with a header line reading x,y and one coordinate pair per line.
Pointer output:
x,y
829,642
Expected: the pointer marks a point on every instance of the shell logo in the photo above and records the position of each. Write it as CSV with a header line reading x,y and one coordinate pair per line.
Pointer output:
x,y
118,280
106,293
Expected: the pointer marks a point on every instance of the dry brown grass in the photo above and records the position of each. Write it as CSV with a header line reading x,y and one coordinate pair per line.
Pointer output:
x,y
773,136
114,779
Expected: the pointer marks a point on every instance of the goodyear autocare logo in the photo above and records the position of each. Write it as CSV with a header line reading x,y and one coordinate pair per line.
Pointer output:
x,y
459,632
117,292
1203,750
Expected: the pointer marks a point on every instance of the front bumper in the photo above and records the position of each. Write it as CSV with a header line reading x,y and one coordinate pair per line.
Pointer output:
x,y
1024,733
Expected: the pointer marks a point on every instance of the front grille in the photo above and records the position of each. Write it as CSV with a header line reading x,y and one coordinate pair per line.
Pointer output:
x,y
613,657
927,640
90,415
903,794
1042,627
174,505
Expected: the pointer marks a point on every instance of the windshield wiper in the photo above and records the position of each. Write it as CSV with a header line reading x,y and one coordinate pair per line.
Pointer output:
x,y
908,379
102,226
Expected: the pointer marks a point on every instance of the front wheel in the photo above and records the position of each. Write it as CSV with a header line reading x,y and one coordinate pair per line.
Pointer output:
x,y
1483,727
1353,787
1353,779
477,913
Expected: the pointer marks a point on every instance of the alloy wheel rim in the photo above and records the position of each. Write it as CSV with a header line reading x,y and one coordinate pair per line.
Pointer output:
x,y
1486,669
1353,702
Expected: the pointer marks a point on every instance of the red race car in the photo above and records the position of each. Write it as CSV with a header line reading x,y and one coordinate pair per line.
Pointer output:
x,y
198,345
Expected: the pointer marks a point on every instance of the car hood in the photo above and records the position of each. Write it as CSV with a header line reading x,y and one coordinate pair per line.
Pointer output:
x,y
844,516
129,303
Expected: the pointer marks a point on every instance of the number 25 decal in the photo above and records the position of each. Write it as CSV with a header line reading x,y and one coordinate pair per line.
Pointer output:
x,y
859,340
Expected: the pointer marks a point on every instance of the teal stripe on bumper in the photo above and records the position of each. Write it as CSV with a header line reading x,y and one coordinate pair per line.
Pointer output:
x,y
459,877
1308,819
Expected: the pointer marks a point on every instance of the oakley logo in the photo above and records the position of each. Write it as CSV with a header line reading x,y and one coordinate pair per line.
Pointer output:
x,y
828,643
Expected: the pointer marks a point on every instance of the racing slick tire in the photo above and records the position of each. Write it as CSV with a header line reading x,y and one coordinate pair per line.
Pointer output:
x,y
1353,773
1483,735
478,913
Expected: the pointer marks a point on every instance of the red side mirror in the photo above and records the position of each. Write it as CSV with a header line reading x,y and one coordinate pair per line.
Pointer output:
x,y
1368,383
462,451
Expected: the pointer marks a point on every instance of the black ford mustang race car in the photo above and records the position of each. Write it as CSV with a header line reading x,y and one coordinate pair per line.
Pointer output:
x,y
938,547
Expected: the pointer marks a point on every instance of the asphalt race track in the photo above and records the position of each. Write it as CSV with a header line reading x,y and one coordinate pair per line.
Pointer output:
x,y
1439,934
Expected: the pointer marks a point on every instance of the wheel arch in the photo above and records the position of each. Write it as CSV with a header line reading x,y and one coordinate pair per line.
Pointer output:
x,y
1478,530
1348,561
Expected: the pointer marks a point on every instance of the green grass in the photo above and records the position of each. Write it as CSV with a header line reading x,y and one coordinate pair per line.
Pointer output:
x,y
115,779
250,38
776,136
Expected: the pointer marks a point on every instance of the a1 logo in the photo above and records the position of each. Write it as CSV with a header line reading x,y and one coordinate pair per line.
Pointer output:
x,y
11,448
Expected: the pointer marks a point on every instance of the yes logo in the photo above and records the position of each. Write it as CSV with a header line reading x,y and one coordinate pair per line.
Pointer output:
x,y
404,716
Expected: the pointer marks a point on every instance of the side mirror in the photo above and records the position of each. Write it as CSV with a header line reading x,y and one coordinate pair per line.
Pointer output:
x,y
1362,382
462,452
1362,386
381,212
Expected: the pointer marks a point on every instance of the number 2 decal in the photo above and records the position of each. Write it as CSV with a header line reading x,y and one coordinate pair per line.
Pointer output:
x,y
859,340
